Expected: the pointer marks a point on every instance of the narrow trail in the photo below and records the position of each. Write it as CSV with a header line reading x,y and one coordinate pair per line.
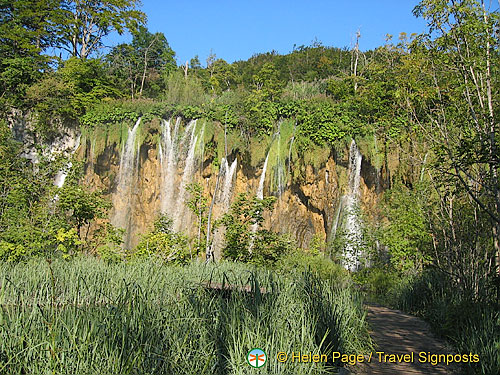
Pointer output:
x,y
395,332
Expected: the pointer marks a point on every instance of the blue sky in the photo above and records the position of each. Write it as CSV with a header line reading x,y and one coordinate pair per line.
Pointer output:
x,y
235,30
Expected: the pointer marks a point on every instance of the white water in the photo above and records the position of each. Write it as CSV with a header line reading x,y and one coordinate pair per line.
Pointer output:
x,y
262,180
177,152
224,201
187,176
227,188
280,170
168,164
63,172
351,199
335,225
126,181
260,195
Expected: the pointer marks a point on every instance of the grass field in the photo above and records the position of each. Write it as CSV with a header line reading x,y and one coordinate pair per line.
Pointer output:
x,y
85,316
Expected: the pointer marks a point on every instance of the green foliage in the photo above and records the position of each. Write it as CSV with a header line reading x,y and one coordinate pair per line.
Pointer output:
x,y
378,283
141,64
27,224
83,25
222,75
302,90
244,241
67,241
107,242
163,243
115,112
198,204
323,122
26,29
315,262
339,89
77,86
183,91
406,233
82,207
37,217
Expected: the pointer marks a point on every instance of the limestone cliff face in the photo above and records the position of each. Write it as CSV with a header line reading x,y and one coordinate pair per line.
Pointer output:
x,y
305,208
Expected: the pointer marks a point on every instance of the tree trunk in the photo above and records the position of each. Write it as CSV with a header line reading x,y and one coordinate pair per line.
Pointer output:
x,y
356,58
208,249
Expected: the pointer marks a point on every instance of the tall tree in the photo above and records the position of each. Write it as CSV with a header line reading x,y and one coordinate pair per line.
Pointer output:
x,y
149,55
27,28
87,22
459,114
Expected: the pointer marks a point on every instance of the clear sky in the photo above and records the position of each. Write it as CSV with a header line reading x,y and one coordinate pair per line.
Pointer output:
x,y
237,29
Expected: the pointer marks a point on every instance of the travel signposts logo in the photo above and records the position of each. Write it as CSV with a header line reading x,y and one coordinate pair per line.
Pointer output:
x,y
256,358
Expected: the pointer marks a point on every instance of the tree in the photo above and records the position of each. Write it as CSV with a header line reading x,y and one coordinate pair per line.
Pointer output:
x,y
148,56
85,23
245,244
460,54
198,204
163,242
27,28
69,92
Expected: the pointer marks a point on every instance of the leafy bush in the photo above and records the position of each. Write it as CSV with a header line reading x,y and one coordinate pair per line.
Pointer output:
x,y
244,240
319,265
162,242
77,86
378,283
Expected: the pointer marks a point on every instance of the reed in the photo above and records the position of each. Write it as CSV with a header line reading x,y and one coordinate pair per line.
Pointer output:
x,y
85,316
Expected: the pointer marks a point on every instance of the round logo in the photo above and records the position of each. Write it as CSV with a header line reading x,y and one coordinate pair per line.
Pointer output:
x,y
256,358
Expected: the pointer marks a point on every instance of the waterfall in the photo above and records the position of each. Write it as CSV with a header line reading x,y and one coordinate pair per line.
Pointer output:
x,y
260,195
187,176
280,172
352,223
63,172
123,199
227,188
168,164
260,189
176,152
224,200
336,222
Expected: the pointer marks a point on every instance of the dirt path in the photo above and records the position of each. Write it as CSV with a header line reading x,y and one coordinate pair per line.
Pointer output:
x,y
395,332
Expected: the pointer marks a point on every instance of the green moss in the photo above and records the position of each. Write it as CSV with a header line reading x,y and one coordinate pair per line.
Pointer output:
x,y
258,148
317,156
371,149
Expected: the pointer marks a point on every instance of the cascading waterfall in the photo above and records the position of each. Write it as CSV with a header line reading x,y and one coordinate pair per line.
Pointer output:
x,y
336,222
351,203
187,177
224,201
227,188
260,189
174,155
63,172
260,195
126,180
168,164
280,169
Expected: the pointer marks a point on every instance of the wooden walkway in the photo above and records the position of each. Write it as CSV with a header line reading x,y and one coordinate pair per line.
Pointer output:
x,y
395,332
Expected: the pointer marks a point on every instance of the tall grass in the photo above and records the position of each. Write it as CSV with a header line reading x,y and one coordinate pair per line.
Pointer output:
x,y
89,317
471,324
